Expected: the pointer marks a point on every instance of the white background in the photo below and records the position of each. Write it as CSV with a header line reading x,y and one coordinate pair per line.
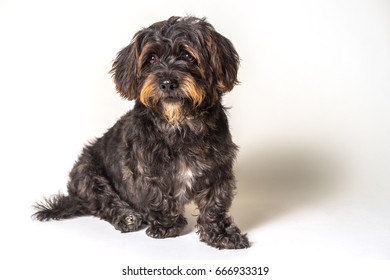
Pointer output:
x,y
311,117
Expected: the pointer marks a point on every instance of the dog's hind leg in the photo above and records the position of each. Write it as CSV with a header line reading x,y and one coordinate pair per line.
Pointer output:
x,y
111,208
102,201
90,196
90,193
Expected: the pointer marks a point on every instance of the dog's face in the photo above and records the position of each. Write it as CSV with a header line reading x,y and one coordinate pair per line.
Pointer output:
x,y
178,67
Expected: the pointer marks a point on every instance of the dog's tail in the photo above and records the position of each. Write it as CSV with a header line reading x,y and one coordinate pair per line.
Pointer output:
x,y
59,207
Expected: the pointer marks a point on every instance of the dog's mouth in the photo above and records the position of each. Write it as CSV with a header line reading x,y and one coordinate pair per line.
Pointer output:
x,y
172,99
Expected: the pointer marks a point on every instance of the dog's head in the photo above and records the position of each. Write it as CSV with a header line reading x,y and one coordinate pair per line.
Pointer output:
x,y
180,67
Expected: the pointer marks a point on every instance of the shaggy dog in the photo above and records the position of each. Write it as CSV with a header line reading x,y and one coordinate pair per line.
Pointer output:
x,y
173,147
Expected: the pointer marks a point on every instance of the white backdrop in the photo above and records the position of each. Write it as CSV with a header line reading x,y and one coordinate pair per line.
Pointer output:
x,y
311,117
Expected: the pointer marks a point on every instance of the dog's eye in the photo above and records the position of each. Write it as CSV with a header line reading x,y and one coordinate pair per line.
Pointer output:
x,y
152,59
186,56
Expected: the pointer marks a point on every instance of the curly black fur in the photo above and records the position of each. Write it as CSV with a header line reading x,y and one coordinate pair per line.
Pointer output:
x,y
173,147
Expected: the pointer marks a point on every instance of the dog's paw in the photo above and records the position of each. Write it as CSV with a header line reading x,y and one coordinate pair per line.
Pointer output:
x,y
157,231
227,238
128,221
232,241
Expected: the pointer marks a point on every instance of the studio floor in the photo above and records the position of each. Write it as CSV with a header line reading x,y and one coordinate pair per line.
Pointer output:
x,y
311,117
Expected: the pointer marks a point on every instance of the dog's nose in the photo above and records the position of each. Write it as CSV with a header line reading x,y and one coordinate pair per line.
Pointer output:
x,y
168,85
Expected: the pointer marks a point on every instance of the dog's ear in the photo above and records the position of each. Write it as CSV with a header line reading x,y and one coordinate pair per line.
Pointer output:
x,y
124,71
224,61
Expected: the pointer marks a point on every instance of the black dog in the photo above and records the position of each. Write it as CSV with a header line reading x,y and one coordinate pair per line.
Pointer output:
x,y
173,147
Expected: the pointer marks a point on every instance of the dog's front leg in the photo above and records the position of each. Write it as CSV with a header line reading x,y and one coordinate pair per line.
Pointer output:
x,y
162,225
165,216
215,227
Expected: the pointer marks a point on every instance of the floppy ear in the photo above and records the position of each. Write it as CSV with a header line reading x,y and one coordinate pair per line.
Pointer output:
x,y
124,70
224,61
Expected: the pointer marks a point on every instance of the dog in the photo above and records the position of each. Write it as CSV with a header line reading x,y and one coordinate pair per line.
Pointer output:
x,y
173,147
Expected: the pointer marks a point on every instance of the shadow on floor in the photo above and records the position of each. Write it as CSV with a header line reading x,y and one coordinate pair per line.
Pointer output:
x,y
276,180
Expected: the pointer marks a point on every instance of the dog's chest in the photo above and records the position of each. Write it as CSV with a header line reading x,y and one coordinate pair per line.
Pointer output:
x,y
187,173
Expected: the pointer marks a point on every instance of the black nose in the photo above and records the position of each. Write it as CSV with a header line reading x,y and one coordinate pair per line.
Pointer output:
x,y
168,85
